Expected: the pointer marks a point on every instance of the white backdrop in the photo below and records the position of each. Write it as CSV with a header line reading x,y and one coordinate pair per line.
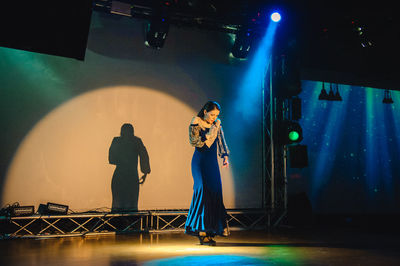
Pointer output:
x,y
68,162
62,115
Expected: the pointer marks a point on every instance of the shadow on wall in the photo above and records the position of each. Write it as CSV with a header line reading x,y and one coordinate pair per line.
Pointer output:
x,y
124,153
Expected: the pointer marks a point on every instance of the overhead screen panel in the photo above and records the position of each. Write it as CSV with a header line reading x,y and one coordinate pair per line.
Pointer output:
x,y
49,27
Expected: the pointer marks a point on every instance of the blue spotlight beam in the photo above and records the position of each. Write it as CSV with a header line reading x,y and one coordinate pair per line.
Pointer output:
x,y
378,144
388,147
333,114
245,108
371,169
249,91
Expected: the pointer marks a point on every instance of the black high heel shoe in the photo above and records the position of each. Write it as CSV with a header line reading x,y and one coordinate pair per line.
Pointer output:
x,y
207,240
201,238
211,241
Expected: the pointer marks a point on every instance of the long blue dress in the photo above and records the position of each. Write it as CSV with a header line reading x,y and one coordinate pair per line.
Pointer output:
x,y
207,211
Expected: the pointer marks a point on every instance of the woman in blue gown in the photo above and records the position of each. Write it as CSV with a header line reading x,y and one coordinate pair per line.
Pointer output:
x,y
207,215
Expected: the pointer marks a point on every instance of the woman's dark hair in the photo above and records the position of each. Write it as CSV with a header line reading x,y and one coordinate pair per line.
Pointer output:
x,y
209,106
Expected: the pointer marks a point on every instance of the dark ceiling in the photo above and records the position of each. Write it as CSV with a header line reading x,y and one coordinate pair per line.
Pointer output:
x,y
348,43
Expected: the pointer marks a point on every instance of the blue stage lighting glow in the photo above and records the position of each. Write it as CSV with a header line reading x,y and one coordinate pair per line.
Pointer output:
x,y
379,145
331,134
249,90
275,17
219,259
246,103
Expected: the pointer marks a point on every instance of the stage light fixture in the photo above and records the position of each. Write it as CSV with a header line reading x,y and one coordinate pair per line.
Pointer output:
x,y
387,97
288,81
16,210
22,210
294,135
242,45
333,94
337,96
275,17
323,95
53,208
157,32
121,8
290,132
362,32
158,28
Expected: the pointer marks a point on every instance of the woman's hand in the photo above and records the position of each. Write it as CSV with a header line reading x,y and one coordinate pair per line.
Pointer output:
x,y
225,163
217,122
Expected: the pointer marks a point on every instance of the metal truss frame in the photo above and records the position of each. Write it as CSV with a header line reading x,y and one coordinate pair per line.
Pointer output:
x,y
110,223
274,155
72,224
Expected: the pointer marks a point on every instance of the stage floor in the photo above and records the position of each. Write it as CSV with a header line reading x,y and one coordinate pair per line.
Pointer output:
x,y
287,247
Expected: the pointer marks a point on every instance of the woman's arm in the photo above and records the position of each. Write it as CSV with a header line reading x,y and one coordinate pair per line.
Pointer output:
x,y
195,139
199,138
223,150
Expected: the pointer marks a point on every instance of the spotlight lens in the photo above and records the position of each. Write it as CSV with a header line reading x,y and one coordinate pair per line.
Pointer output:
x,y
275,17
294,135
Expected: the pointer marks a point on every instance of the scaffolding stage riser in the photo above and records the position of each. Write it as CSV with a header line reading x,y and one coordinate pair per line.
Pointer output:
x,y
114,223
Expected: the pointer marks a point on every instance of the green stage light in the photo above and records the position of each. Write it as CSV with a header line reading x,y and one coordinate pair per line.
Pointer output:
x,y
290,132
294,135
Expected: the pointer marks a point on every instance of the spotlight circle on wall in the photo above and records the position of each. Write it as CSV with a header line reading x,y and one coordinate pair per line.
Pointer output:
x,y
64,158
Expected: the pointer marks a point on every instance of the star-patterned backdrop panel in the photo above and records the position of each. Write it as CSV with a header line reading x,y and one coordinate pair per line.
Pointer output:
x,y
353,148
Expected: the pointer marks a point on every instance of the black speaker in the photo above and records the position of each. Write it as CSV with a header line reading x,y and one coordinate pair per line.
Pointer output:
x,y
298,157
49,27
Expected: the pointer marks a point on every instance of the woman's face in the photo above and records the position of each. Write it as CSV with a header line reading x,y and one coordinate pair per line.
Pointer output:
x,y
211,116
